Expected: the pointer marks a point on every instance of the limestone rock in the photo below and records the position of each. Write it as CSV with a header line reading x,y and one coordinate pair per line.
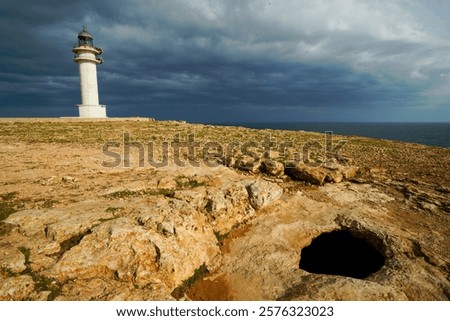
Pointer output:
x,y
69,179
135,186
152,252
312,175
331,173
74,226
117,248
102,289
17,288
30,222
12,260
263,264
141,245
49,248
228,206
60,225
39,263
346,193
349,172
249,164
317,287
195,197
262,193
424,199
229,161
272,167
334,176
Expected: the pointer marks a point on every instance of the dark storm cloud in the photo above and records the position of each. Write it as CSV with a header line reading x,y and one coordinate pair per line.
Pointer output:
x,y
228,60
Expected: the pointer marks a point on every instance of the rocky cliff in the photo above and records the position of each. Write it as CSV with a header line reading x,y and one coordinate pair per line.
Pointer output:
x,y
210,225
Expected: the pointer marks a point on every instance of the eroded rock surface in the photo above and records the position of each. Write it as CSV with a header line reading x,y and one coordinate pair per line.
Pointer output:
x,y
318,175
137,240
85,231
263,263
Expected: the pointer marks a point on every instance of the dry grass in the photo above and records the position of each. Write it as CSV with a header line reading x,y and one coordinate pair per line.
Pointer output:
x,y
397,159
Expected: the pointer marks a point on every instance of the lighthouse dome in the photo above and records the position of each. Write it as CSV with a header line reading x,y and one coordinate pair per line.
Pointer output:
x,y
84,34
85,38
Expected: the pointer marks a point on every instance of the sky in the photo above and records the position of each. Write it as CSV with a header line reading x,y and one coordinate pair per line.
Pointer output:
x,y
232,61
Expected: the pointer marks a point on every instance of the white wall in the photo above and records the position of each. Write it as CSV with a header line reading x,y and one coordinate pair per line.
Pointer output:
x,y
92,111
89,107
88,80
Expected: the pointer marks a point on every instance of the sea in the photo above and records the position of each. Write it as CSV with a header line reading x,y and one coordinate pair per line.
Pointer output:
x,y
431,134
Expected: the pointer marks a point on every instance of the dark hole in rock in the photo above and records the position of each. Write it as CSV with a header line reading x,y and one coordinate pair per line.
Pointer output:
x,y
341,253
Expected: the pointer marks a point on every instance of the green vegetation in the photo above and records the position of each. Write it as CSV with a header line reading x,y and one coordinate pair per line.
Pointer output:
x,y
145,192
6,209
112,210
41,283
48,203
184,182
71,242
220,237
122,194
8,196
26,253
94,134
5,228
199,274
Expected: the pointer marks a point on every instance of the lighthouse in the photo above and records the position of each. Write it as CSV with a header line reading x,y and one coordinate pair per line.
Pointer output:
x,y
87,56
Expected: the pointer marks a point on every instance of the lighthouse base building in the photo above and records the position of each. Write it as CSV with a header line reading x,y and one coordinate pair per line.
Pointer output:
x,y
91,111
88,57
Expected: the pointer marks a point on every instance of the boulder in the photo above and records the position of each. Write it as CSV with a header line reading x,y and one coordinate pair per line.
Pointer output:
x,y
60,225
272,167
17,288
227,206
311,175
151,249
318,175
262,193
338,173
249,164
349,172
12,260
117,249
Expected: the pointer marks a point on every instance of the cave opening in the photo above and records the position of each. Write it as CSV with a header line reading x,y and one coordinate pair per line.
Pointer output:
x,y
341,253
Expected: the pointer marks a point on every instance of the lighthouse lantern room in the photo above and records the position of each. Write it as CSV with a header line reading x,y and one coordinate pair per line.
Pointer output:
x,y
88,57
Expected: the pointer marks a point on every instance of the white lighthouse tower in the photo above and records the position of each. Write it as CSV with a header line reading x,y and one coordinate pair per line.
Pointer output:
x,y
87,56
